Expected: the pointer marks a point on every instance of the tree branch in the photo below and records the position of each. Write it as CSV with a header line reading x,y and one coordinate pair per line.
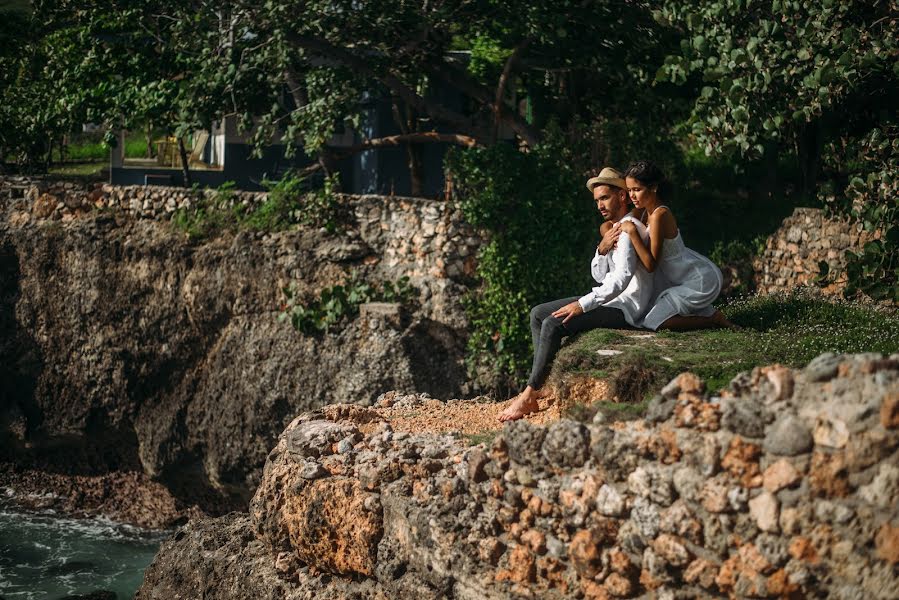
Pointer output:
x,y
427,137
475,90
347,58
510,65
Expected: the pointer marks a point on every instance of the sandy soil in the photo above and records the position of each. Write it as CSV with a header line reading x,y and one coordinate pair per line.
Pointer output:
x,y
481,415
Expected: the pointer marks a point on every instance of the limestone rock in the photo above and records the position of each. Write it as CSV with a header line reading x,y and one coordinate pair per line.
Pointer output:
x,y
883,491
823,367
567,444
887,543
831,432
764,509
525,442
609,502
889,411
746,418
788,436
779,475
424,515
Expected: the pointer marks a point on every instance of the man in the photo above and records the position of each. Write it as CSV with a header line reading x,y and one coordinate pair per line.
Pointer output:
x,y
619,301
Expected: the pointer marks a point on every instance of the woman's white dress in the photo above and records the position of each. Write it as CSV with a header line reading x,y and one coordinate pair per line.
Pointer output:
x,y
685,283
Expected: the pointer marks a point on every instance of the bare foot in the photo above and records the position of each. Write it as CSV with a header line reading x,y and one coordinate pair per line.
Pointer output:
x,y
521,406
722,321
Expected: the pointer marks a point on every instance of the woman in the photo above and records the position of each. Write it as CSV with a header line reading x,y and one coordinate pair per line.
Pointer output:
x,y
686,282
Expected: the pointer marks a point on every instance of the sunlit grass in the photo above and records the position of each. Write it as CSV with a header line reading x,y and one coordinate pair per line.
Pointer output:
x,y
790,329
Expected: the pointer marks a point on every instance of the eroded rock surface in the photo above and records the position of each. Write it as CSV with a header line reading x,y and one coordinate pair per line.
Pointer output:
x,y
684,507
124,346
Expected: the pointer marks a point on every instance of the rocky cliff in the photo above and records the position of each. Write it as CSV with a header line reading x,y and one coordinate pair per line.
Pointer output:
x,y
126,346
784,485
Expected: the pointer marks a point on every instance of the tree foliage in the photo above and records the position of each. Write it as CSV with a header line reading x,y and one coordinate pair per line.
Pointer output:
x,y
817,80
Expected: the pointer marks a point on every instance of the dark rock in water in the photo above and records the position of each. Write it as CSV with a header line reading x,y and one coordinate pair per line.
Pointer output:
x,y
96,595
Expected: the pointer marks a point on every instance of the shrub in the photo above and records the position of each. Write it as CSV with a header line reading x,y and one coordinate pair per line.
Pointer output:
x,y
339,304
541,228
289,202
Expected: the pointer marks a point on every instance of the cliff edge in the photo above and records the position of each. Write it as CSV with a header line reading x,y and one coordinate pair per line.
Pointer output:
x,y
784,485
127,346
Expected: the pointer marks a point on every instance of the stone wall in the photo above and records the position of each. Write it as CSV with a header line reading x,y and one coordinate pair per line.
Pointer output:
x,y
785,485
805,238
424,240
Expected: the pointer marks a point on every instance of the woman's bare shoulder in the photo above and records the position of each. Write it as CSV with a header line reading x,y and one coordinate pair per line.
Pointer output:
x,y
662,220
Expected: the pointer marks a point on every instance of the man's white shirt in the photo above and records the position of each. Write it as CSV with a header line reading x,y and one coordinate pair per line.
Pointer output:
x,y
623,282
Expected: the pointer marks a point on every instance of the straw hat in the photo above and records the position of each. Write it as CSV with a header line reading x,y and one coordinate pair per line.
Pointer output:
x,y
608,176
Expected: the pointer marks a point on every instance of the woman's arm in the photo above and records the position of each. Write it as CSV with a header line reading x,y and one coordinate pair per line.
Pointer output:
x,y
661,226
644,255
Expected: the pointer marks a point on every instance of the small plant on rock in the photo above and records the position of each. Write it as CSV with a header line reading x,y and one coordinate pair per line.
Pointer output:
x,y
337,305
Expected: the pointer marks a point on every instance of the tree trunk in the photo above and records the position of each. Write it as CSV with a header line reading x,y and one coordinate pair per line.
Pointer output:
x,y
769,185
809,154
49,160
185,163
407,125
503,83
416,170
149,140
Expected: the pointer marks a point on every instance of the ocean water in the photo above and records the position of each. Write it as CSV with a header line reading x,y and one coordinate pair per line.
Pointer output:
x,y
45,556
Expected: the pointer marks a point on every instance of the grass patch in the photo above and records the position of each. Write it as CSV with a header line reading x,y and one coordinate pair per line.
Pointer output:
x,y
790,329
81,169
485,437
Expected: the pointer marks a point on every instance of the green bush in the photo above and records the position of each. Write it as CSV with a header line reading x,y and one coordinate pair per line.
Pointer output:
x,y
211,214
541,226
290,202
339,304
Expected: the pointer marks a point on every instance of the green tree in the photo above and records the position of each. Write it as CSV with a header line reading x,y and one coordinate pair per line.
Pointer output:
x,y
815,82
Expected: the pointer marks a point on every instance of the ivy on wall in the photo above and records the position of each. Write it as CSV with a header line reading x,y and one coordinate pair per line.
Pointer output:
x,y
542,227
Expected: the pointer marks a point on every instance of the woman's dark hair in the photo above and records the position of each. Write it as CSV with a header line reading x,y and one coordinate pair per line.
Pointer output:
x,y
649,174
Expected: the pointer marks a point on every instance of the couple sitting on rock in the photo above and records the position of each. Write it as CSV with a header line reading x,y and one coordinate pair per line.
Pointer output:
x,y
647,278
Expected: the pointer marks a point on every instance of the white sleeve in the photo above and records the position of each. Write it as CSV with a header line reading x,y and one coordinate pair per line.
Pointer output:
x,y
599,267
624,265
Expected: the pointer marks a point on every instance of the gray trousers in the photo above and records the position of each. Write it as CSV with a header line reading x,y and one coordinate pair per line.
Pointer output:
x,y
548,331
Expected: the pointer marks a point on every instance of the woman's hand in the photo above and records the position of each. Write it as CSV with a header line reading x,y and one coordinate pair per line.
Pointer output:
x,y
609,240
569,311
631,229
627,227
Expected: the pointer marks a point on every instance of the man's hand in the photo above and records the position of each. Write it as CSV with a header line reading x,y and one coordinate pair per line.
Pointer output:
x,y
609,239
569,311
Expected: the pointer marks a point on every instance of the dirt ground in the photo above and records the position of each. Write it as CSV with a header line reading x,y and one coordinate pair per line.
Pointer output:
x,y
478,416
